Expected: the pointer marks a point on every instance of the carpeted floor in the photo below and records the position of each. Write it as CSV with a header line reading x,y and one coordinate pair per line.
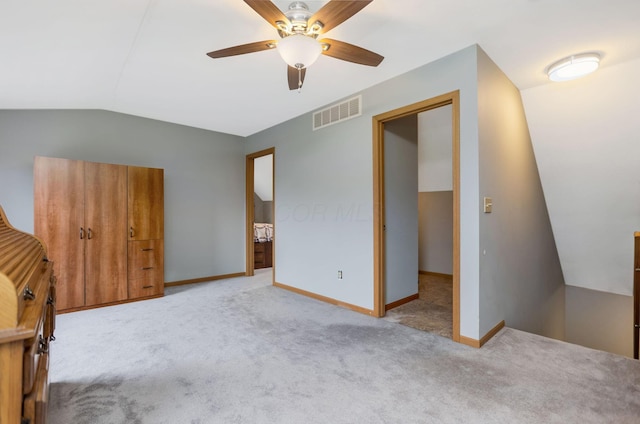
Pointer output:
x,y
241,351
432,311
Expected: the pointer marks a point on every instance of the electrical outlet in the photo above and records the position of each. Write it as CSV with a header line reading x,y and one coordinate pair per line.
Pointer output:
x,y
339,275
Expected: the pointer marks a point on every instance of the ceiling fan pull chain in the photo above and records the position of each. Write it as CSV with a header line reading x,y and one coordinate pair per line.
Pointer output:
x,y
299,79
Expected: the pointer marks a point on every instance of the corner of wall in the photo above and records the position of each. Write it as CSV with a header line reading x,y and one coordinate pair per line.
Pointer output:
x,y
520,271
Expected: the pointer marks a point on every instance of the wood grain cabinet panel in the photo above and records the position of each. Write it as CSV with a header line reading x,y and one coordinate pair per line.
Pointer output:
x,y
87,213
146,203
149,286
106,227
59,204
30,361
27,311
146,232
146,272
80,211
36,403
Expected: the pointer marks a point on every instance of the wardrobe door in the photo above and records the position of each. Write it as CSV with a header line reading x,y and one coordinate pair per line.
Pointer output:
x,y
106,238
146,231
146,203
59,222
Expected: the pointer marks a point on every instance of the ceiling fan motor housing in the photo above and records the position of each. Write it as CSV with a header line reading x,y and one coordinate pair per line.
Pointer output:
x,y
298,14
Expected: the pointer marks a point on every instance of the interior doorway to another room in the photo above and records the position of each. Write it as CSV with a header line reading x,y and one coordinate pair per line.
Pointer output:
x,y
260,213
434,307
416,219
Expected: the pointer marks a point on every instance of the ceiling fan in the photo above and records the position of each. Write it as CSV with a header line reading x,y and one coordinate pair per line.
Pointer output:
x,y
299,30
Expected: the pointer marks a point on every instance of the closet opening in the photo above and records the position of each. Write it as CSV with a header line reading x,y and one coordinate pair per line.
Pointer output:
x,y
397,194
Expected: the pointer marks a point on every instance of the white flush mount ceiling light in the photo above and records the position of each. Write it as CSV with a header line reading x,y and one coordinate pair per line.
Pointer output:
x,y
573,67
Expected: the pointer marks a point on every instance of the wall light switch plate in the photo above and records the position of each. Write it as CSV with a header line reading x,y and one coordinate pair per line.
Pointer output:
x,y
488,204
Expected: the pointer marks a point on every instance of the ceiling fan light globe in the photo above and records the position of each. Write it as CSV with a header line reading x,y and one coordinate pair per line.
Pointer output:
x,y
299,51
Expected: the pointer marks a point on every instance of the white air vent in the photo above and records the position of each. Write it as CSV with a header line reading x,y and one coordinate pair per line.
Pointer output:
x,y
337,113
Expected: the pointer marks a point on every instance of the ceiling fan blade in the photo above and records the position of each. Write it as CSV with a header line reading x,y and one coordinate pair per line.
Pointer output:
x,y
268,11
243,49
294,78
336,12
350,53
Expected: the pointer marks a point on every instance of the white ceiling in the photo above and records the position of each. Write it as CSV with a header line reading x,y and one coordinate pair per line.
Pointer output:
x,y
147,57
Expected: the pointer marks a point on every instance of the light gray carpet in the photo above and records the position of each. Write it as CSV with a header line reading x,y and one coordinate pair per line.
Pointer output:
x,y
240,351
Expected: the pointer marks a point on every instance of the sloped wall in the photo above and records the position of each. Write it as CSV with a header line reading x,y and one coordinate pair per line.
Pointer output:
x,y
520,275
586,137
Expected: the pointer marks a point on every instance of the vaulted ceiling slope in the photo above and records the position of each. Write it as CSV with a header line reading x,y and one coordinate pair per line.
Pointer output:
x,y
147,57
585,138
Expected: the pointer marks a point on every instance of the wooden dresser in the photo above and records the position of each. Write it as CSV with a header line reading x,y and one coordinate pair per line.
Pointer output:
x,y
262,255
27,321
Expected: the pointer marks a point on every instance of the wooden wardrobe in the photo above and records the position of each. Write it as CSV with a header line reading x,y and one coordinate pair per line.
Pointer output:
x,y
104,228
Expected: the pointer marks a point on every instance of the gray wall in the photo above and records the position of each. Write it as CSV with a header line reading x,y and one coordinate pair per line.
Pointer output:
x,y
324,188
204,177
599,320
401,208
435,183
322,198
435,231
262,211
435,149
520,272
267,212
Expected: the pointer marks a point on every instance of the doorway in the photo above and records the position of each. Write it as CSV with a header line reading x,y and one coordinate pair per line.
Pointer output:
x,y
380,201
260,211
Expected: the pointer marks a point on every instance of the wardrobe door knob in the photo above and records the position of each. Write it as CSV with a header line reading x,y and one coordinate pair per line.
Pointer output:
x,y
43,345
28,294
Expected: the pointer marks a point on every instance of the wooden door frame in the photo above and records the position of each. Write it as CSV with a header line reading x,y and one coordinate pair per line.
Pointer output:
x,y
453,99
250,212
636,297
